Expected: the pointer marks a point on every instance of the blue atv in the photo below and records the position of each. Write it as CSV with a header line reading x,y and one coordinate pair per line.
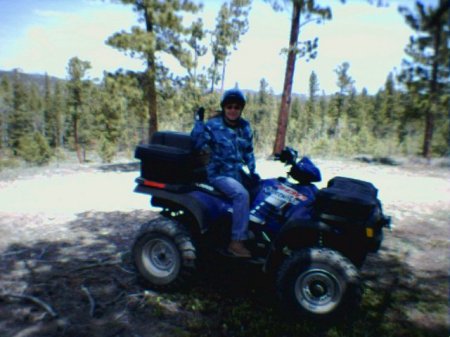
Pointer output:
x,y
312,241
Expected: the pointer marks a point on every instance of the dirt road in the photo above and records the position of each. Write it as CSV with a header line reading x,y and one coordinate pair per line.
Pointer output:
x,y
64,236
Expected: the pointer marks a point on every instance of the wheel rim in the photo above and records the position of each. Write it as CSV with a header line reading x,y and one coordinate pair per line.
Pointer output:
x,y
318,291
160,258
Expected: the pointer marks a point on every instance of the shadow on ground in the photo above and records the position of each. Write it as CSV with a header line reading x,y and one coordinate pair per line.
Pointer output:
x,y
124,167
86,286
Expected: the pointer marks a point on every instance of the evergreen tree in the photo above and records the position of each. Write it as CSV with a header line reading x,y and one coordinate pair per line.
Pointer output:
x,y
426,72
135,113
231,23
48,129
362,121
162,33
34,148
77,100
20,121
109,119
35,107
195,42
346,87
5,101
411,122
312,119
314,88
298,132
310,11
343,98
57,116
260,110
323,122
387,116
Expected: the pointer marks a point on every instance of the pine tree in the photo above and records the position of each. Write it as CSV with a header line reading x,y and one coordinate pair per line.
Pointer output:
x,y
34,148
362,121
5,99
231,23
343,98
135,113
387,116
20,121
298,132
35,107
310,12
260,110
427,70
57,116
77,101
163,32
48,129
195,42
312,119
109,118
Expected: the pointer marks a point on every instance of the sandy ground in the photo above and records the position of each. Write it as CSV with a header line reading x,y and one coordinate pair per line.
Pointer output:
x,y
86,204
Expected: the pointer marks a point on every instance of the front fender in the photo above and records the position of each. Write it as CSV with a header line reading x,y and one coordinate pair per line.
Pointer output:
x,y
296,234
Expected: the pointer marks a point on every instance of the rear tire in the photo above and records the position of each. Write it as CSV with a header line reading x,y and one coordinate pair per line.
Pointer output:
x,y
164,254
318,284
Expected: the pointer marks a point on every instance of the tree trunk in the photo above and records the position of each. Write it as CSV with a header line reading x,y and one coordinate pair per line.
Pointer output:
x,y
76,141
429,116
288,79
213,76
223,75
152,108
151,81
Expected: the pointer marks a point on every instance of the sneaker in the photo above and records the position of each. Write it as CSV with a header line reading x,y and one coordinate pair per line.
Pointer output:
x,y
237,249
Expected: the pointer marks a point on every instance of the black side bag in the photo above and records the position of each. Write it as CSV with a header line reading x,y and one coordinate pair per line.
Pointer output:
x,y
355,185
346,200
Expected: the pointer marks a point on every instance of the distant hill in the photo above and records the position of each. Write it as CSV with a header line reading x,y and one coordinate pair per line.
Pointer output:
x,y
302,97
39,80
29,79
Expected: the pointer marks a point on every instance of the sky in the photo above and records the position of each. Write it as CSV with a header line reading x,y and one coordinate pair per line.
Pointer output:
x,y
40,36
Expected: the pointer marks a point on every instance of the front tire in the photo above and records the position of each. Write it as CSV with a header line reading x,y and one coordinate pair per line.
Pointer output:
x,y
164,254
319,284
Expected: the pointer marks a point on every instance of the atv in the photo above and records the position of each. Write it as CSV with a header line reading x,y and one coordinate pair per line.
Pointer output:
x,y
312,241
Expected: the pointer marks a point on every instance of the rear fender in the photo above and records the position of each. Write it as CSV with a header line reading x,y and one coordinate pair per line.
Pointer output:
x,y
205,209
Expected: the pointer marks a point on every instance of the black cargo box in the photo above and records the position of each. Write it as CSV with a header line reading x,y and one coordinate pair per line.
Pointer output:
x,y
346,200
180,140
170,158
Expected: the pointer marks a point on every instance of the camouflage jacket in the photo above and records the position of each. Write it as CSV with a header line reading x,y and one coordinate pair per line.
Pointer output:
x,y
230,148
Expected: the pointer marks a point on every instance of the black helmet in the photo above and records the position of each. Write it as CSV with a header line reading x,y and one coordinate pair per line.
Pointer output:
x,y
233,95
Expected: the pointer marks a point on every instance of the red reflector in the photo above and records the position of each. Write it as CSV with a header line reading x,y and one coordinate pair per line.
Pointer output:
x,y
154,184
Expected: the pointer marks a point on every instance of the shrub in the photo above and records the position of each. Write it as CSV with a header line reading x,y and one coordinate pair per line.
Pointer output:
x,y
34,149
106,150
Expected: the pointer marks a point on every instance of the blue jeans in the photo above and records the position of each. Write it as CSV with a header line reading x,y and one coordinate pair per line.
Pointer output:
x,y
240,199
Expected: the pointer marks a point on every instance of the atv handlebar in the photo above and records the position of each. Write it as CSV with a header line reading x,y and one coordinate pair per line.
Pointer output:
x,y
287,156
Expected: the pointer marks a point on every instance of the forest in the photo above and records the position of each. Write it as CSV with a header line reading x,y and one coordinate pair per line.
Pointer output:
x,y
54,119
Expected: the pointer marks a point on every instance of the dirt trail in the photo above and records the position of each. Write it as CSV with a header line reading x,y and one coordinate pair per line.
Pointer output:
x,y
64,236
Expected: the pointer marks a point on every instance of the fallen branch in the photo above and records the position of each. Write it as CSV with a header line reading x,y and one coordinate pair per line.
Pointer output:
x,y
126,270
33,299
91,300
95,265
13,253
115,299
42,253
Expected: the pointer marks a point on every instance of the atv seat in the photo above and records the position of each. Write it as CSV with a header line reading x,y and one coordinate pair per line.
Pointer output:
x,y
171,158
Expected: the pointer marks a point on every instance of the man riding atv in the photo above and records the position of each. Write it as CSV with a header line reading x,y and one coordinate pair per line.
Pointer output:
x,y
310,241
229,139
